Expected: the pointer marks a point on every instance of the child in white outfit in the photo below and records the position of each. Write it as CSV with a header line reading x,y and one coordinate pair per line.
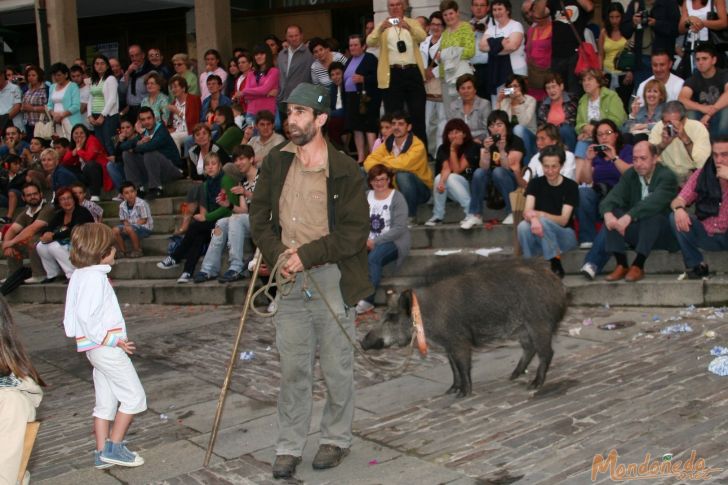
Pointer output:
x,y
94,319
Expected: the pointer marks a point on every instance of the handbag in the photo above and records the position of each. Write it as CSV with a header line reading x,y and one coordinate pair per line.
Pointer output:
x,y
626,60
433,89
719,38
588,58
44,127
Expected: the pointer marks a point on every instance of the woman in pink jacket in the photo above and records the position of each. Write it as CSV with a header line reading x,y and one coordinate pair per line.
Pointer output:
x,y
261,85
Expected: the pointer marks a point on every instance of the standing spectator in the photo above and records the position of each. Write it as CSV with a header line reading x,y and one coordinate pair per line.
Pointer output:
x,y
215,99
435,118
245,66
262,83
479,21
362,96
538,54
181,64
389,237
406,156
697,19
705,93
64,101
275,45
635,213
401,72
103,106
294,63
457,47
233,74
213,67
185,110
266,138
471,108
661,62
118,72
11,98
88,153
683,144
548,217
134,80
156,59
155,98
505,43
135,222
559,109
34,99
154,158
611,43
78,76
457,158
323,57
654,25
707,229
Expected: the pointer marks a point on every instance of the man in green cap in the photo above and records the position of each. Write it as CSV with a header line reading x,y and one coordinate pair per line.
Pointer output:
x,y
309,209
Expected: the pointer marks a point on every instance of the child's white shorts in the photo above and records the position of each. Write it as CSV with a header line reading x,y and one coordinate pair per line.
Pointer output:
x,y
115,381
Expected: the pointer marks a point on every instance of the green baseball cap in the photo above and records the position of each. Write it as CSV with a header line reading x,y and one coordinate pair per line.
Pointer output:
x,y
311,95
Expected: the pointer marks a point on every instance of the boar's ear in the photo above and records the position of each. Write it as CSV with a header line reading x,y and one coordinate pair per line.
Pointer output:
x,y
392,301
405,302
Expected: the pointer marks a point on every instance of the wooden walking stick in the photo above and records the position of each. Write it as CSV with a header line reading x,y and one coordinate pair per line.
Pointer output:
x,y
258,257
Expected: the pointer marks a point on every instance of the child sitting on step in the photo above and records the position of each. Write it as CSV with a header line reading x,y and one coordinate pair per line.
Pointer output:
x,y
93,317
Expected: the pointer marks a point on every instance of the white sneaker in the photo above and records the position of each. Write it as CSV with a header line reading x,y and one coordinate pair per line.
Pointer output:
x,y
470,221
363,306
34,280
167,263
184,278
272,307
589,271
586,245
508,220
433,221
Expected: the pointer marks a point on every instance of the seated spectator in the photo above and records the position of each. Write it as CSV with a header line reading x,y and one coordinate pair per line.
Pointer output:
x,y
154,158
20,239
55,176
230,134
646,113
500,162
88,154
103,107
184,110
54,243
123,141
81,194
266,138
214,100
385,130
521,109
155,98
546,136
471,108
11,98
705,93
213,67
606,160
323,57
235,229
559,109
598,103
181,64
662,71
261,87
135,222
635,213
547,227
214,189
457,158
683,144
32,155
389,238
202,135
406,156
13,143
20,395
12,179
707,229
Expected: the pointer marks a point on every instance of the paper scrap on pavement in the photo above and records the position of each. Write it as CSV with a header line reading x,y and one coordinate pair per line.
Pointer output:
x,y
447,252
487,251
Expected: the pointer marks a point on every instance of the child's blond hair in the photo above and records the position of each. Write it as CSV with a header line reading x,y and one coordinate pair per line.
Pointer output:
x,y
90,243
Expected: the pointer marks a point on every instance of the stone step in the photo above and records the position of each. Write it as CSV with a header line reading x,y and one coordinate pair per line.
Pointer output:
x,y
160,207
657,290
163,224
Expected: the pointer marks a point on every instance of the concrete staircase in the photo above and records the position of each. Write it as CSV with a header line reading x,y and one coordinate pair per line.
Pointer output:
x,y
140,281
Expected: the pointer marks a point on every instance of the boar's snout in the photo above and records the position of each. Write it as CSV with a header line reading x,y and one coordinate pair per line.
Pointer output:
x,y
372,341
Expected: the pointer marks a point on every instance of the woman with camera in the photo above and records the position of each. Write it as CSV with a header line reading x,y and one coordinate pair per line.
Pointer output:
x,y
500,162
606,159
646,115
457,158
521,108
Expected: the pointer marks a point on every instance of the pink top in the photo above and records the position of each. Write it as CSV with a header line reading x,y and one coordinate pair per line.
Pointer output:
x,y
556,114
256,91
715,224
538,51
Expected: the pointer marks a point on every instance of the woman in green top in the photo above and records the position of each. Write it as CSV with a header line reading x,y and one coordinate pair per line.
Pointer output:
x,y
229,134
103,103
456,34
155,98
181,65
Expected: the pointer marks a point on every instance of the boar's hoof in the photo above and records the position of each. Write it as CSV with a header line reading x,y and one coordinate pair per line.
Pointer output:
x,y
536,383
515,374
453,389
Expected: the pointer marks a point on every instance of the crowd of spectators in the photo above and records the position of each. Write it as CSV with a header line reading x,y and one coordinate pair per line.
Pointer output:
x,y
431,108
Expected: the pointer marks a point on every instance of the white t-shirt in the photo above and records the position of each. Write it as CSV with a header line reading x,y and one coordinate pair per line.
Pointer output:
x,y
568,170
380,214
518,56
57,99
673,87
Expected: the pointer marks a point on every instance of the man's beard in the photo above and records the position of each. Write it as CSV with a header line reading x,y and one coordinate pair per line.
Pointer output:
x,y
302,136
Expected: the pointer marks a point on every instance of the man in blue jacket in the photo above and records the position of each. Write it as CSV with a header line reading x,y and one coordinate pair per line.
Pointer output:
x,y
154,158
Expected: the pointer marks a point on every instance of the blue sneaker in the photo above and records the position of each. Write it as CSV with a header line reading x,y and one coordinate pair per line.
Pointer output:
x,y
119,454
229,276
98,464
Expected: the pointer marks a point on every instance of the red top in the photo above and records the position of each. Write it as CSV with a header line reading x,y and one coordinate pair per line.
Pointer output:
x,y
193,105
94,151
715,224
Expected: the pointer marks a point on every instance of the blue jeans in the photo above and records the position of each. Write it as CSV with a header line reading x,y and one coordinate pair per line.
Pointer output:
x,y
718,123
378,257
588,214
414,190
457,188
568,136
505,183
598,255
116,172
229,232
140,231
555,241
106,131
695,239
529,140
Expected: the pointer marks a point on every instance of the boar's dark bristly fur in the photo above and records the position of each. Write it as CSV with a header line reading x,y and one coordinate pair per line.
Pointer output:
x,y
467,302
